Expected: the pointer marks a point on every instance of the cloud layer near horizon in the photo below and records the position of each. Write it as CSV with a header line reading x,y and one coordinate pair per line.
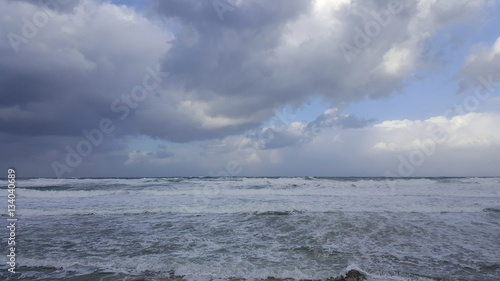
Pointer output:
x,y
226,77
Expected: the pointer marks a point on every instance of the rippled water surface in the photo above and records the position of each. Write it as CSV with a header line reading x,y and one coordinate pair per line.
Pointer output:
x,y
256,228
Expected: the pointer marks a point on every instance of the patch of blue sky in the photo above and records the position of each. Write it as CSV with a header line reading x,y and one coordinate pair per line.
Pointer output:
x,y
432,90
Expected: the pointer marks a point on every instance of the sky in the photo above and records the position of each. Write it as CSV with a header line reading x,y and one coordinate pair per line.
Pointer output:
x,y
172,88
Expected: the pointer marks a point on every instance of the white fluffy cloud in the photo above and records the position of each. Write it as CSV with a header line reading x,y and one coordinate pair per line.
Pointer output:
x,y
424,145
471,131
462,145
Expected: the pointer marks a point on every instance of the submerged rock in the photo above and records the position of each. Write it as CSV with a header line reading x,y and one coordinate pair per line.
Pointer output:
x,y
351,275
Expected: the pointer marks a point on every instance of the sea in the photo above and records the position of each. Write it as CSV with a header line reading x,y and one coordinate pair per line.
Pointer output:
x,y
282,228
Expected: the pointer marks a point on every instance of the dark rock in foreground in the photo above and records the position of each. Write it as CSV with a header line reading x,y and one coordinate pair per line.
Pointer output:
x,y
351,275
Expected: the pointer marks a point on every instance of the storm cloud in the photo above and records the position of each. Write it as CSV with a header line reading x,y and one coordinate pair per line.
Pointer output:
x,y
201,72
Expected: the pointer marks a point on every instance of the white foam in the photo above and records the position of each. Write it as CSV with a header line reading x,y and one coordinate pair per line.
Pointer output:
x,y
93,182
260,195
200,272
221,228
33,193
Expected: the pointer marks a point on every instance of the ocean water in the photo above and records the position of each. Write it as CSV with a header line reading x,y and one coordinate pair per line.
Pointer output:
x,y
255,228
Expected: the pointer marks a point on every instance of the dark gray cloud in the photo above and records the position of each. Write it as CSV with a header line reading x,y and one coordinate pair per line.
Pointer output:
x,y
164,154
33,156
64,77
265,55
225,76
61,73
